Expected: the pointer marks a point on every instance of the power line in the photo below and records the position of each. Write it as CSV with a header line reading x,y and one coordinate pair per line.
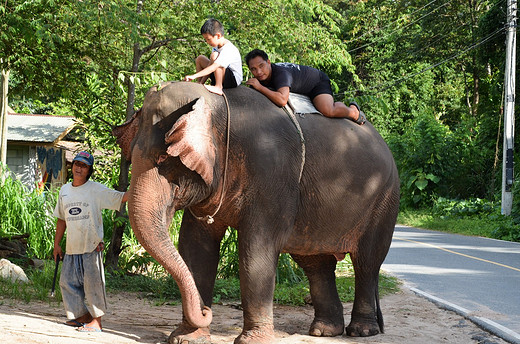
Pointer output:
x,y
499,2
439,38
389,24
393,82
402,28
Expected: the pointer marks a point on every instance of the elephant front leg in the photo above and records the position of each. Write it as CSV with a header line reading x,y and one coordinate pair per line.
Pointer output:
x,y
199,248
257,281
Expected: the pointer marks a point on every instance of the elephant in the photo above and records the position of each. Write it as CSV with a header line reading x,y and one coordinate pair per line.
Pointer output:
x,y
318,189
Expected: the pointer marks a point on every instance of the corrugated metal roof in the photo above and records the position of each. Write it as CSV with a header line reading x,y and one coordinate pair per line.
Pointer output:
x,y
37,128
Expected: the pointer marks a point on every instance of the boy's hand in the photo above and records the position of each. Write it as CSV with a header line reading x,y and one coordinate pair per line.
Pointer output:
x,y
188,78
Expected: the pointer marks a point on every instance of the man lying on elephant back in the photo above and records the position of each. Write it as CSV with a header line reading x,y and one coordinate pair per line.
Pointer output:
x,y
276,80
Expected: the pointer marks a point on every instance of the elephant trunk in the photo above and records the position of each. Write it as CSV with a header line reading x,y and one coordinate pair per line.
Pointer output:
x,y
149,217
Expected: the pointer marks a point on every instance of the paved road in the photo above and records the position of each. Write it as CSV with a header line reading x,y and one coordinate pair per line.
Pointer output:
x,y
476,277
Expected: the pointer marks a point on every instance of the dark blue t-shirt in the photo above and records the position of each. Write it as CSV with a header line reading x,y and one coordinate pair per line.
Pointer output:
x,y
300,79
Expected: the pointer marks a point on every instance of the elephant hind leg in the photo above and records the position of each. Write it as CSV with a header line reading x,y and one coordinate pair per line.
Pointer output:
x,y
367,319
328,310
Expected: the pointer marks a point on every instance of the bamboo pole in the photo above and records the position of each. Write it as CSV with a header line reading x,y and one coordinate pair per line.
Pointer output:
x,y
3,122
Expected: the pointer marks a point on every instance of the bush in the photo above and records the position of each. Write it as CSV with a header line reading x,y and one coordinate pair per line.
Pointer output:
x,y
435,161
471,207
421,158
476,217
24,212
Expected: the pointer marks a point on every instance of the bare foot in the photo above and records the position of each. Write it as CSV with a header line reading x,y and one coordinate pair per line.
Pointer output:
x,y
214,89
360,118
93,326
86,328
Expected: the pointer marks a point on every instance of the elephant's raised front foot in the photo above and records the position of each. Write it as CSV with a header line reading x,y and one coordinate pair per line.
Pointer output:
x,y
362,328
186,334
322,328
257,335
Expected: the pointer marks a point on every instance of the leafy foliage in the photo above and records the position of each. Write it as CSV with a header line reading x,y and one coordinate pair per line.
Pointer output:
x,y
469,207
428,75
23,212
478,217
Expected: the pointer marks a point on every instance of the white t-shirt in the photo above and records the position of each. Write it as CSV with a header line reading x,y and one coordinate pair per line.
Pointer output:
x,y
229,56
80,207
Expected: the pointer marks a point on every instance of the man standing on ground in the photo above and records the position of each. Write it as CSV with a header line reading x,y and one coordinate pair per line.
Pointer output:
x,y
78,210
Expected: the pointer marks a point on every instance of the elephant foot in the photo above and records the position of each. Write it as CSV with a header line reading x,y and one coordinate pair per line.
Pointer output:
x,y
321,328
257,335
186,334
362,329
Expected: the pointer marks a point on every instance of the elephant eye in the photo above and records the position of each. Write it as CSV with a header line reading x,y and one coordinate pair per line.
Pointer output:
x,y
162,158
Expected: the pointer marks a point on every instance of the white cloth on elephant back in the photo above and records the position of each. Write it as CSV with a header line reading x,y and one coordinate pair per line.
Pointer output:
x,y
300,104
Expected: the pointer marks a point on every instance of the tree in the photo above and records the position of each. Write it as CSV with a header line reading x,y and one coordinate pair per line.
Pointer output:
x,y
89,47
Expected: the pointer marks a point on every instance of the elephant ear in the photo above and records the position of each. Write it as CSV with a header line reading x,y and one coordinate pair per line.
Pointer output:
x,y
191,139
125,134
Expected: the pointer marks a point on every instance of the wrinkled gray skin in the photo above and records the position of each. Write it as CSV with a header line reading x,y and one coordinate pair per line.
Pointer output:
x,y
346,202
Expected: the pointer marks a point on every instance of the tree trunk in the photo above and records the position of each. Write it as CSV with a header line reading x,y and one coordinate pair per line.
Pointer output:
x,y
112,257
113,251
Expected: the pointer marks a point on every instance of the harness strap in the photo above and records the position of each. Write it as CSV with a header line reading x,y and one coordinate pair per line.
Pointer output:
x,y
209,218
292,116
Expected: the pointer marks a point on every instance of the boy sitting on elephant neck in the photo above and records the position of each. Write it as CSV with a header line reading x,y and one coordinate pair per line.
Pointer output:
x,y
275,81
224,65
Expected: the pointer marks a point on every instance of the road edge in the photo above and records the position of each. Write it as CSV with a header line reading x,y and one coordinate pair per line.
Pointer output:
x,y
484,323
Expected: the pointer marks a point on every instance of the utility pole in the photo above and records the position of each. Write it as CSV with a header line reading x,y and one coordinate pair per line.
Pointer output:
x,y
509,109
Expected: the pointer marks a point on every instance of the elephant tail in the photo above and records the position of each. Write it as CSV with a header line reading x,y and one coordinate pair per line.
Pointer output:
x,y
379,314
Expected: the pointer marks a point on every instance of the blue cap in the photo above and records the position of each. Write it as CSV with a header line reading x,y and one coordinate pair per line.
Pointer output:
x,y
85,157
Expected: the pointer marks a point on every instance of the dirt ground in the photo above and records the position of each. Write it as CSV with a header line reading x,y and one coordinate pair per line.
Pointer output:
x,y
132,319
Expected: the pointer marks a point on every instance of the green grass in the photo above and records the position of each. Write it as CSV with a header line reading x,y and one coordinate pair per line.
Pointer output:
x,y
31,212
465,226
38,288
23,212
490,225
289,292
163,290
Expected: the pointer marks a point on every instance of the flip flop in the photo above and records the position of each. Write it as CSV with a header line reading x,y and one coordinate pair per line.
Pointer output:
x,y
86,328
362,118
74,323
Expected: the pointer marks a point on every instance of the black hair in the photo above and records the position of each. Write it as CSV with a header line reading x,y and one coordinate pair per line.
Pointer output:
x,y
90,169
212,26
255,53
